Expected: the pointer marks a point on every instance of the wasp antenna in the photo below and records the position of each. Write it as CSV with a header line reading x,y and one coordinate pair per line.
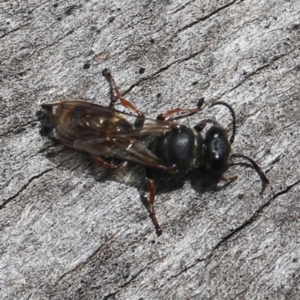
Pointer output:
x,y
259,171
233,118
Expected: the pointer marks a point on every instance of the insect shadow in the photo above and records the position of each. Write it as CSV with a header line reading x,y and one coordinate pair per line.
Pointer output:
x,y
133,175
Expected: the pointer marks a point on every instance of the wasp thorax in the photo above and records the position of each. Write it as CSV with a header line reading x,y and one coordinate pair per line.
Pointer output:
x,y
176,147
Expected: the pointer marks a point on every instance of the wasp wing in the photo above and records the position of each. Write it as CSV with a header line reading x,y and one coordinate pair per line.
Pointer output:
x,y
105,132
110,144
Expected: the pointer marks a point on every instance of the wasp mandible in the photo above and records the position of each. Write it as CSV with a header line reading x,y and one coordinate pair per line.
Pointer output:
x,y
163,144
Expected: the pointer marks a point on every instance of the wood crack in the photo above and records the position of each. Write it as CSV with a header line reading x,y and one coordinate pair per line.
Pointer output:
x,y
180,60
190,25
25,186
132,278
257,71
248,222
19,128
162,70
84,263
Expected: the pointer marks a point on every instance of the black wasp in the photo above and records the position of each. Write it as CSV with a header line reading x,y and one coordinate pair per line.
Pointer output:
x,y
104,132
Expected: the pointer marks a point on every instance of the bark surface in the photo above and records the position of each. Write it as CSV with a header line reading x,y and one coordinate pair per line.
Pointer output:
x,y
70,230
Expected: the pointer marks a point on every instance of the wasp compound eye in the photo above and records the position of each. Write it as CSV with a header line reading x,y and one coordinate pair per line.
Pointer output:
x,y
217,150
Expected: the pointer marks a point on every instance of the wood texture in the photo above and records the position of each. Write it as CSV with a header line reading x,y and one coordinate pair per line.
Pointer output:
x,y
69,230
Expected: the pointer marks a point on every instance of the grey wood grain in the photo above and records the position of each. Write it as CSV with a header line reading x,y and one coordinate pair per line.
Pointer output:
x,y
71,231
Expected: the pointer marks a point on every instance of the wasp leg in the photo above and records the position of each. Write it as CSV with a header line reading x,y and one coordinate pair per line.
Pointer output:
x,y
106,73
168,115
152,207
230,179
188,112
201,125
103,163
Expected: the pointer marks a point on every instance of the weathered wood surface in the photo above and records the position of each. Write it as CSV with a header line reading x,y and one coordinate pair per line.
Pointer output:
x,y
67,232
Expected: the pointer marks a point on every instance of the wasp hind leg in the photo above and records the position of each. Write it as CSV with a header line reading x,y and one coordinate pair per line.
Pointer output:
x,y
106,73
103,162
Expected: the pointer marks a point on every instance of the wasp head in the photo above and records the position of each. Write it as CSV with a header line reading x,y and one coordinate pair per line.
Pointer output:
x,y
216,150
